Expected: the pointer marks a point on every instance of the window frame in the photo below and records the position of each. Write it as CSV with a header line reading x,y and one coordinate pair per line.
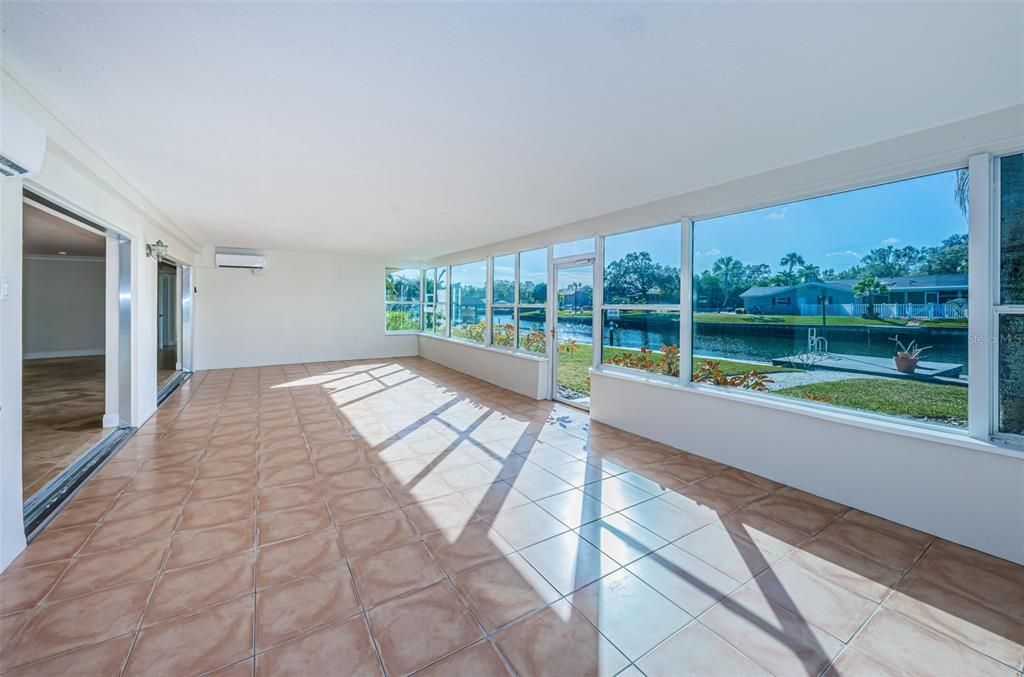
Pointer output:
x,y
387,303
998,308
487,305
545,306
492,304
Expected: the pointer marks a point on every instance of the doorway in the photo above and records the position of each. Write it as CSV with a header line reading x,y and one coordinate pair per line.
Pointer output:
x,y
573,332
168,323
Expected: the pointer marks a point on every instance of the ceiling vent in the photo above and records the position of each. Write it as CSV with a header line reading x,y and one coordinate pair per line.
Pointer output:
x,y
22,142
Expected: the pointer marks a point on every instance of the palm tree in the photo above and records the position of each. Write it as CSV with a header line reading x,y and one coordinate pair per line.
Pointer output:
x,y
868,286
960,189
809,272
728,270
791,261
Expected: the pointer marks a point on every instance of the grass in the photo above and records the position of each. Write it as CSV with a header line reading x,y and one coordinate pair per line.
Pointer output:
x,y
932,401
573,367
815,320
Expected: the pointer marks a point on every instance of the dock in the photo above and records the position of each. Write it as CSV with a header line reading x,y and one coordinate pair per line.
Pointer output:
x,y
872,366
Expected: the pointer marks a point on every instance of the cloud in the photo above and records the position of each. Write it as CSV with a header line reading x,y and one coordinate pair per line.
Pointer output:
x,y
848,252
711,252
890,241
778,214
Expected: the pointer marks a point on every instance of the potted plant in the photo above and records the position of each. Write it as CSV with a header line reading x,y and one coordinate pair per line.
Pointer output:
x,y
907,356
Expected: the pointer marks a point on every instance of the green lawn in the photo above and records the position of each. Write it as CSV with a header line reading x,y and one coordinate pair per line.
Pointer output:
x,y
815,320
933,401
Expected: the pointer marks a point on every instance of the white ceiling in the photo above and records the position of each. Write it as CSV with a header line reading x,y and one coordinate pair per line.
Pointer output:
x,y
418,129
48,235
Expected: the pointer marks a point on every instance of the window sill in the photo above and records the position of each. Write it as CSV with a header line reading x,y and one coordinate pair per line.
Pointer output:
x,y
824,412
491,349
406,332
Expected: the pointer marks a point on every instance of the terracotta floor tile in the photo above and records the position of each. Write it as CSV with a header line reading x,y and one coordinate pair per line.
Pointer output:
x,y
851,662
817,501
783,642
80,621
105,659
290,609
893,529
279,525
200,514
81,512
394,572
279,562
791,512
621,538
121,532
961,618
992,588
502,590
444,512
289,496
558,641
629,612
344,648
617,493
665,519
830,607
205,490
875,545
350,480
574,508
415,630
132,505
568,561
461,548
197,587
10,625
690,583
287,474
109,568
525,525
372,534
53,545
478,660
214,638
906,645
695,650
24,587
200,545
356,504
846,568
732,553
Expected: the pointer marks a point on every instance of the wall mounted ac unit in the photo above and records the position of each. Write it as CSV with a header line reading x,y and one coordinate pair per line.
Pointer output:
x,y
250,261
22,142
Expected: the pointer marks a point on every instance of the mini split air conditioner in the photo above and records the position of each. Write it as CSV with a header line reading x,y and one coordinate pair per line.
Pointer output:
x,y
22,142
249,261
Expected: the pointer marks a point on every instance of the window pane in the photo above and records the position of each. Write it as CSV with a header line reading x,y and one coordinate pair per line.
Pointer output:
x,y
503,326
1011,228
504,282
533,276
642,266
816,299
468,301
403,316
584,246
403,284
1011,374
428,285
532,330
641,339
442,285
441,320
428,318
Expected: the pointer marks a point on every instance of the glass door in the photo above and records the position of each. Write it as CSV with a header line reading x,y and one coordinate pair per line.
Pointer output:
x,y
573,332
168,323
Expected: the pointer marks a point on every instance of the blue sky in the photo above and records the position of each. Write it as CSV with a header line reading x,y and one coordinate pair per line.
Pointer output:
x,y
835,231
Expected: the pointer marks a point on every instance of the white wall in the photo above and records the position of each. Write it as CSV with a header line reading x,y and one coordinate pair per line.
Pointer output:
x,y
63,311
954,488
300,308
523,374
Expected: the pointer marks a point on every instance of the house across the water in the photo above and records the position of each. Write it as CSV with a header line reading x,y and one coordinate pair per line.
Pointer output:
x,y
909,295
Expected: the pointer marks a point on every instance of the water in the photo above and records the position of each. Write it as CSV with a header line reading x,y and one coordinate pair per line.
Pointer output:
x,y
765,342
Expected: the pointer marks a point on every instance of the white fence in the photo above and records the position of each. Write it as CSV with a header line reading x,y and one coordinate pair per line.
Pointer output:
x,y
920,311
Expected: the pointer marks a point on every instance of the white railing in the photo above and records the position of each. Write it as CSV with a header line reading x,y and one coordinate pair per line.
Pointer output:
x,y
920,311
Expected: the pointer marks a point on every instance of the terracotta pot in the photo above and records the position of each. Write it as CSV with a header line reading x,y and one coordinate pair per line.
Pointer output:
x,y
905,364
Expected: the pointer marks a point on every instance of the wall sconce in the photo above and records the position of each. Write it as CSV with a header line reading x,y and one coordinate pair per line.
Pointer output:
x,y
156,250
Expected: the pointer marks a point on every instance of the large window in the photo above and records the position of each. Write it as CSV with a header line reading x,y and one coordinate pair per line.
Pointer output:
x,y
858,299
503,299
640,311
469,301
441,303
1010,311
402,300
531,310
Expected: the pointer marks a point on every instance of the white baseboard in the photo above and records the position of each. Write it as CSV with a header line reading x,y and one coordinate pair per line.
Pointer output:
x,y
89,352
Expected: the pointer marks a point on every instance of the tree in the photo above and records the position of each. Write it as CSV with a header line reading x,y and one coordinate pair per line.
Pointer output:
x,y
636,278
729,272
791,261
889,261
960,190
810,272
949,257
869,286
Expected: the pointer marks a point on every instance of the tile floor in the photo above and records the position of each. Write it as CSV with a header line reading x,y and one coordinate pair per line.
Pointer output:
x,y
396,517
62,415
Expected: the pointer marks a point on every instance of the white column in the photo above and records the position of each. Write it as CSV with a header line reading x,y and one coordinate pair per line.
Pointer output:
x,y
981,331
111,417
